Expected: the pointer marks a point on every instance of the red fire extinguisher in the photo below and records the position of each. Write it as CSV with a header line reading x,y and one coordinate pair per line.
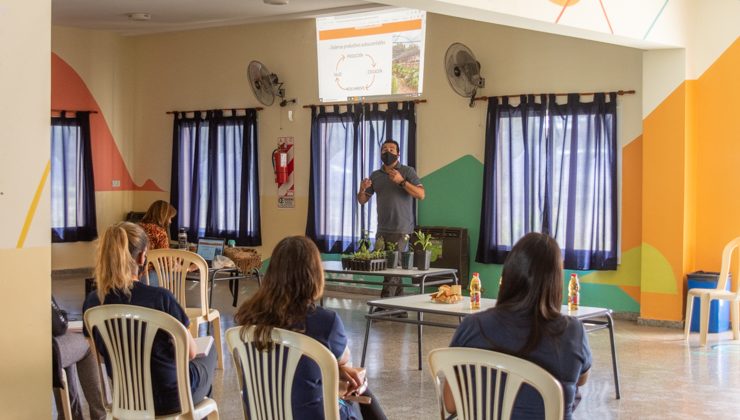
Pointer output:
x,y
280,163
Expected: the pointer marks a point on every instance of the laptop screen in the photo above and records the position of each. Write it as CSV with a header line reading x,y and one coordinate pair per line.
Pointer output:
x,y
208,248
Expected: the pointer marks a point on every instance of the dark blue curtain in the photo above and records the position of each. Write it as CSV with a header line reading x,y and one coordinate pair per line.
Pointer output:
x,y
515,176
72,184
552,168
584,176
215,181
345,148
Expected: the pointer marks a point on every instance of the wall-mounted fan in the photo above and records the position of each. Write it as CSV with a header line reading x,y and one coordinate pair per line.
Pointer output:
x,y
265,84
463,71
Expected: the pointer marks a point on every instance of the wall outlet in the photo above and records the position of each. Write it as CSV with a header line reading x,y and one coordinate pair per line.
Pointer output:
x,y
116,183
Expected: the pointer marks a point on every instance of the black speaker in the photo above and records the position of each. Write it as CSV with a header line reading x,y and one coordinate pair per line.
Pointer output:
x,y
455,246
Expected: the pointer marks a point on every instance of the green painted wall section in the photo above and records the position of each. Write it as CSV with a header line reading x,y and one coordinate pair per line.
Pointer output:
x,y
454,198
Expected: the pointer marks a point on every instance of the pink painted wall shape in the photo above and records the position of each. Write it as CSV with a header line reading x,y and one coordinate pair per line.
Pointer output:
x,y
69,92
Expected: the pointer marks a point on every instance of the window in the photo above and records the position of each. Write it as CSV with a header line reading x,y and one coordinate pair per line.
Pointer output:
x,y
215,182
72,185
551,168
345,148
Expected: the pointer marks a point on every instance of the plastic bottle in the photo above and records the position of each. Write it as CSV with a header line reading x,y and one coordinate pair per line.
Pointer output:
x,y
182,239
475,292
574,295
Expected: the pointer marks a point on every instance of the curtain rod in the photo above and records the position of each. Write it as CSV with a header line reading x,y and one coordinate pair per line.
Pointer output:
x,y
619,92
416,101
259,108
75,111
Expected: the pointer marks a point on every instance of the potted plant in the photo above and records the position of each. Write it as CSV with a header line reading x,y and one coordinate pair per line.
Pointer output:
x,y
407,256
391,254
364,260
423,253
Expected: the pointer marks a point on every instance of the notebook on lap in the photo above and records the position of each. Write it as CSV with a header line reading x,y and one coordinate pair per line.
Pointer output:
x,y
208,248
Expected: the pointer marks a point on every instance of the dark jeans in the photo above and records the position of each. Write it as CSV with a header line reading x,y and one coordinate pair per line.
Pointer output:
x,y
372,411
389,283
204,369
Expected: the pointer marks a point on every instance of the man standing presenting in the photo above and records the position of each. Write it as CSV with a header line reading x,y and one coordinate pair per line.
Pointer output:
x,y
397,186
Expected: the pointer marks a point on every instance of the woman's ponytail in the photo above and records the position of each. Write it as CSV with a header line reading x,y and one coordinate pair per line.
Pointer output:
x,y
116,268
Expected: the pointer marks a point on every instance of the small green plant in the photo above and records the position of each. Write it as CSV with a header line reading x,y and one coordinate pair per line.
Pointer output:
x,y
424,240
391,246
406,241
364,240
379,243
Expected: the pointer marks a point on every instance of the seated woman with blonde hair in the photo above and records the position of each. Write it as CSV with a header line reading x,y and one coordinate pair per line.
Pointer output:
x,y
293,282
156,223
526,322
120,261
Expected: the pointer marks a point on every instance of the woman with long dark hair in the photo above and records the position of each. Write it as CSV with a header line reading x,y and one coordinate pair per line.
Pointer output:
x,y
526,322
293,282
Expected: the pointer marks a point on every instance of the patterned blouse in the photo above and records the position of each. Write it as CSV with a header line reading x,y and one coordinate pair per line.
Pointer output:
x,y
158,238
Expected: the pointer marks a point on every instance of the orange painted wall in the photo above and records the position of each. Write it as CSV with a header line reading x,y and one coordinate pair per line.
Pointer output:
x,y
69,92
718,158
663,192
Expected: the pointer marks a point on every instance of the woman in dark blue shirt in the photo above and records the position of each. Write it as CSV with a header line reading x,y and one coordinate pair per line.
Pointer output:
x,y
526,322
293,282
121,260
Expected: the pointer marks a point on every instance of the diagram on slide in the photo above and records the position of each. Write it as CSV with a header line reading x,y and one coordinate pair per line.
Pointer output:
x,y
370,55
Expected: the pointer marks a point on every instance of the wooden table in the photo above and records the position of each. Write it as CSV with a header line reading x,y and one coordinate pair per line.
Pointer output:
x,y
335,267
592,318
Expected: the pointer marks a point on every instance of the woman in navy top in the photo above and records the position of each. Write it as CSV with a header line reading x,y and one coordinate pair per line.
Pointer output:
x,y
526,322
293,282
121,260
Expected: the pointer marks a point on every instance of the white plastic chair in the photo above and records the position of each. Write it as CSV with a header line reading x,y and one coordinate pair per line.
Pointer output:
x,y
706,296
171,266
59,382
267,377
463,369
128,333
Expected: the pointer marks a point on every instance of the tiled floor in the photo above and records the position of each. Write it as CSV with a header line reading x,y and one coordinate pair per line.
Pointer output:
x,y
661,376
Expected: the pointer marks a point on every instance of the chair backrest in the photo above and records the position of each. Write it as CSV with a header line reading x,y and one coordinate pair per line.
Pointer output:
x,y
266,377
128,333
727,263
475,379
171,266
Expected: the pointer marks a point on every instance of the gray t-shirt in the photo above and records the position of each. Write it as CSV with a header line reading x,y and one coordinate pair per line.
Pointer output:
x,y
395,205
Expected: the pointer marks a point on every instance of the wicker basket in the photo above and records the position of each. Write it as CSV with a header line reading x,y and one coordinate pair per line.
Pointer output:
x,y
246,259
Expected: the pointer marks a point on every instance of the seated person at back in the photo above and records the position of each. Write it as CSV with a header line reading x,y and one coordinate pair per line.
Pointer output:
x,y
156,223
121,259
293,282
526,322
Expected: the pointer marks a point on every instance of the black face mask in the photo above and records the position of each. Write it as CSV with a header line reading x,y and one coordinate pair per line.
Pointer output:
x,y
388,158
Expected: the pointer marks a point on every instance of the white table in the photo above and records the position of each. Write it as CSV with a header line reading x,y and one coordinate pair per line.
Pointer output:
x,y
592,318
335,267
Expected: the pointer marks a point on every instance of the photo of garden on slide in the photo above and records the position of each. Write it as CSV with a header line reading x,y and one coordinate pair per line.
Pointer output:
x,y
406,59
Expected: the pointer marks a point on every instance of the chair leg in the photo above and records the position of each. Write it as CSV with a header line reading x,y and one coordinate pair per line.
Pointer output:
x,y
735,319
704,320
64,393
217,338
689,313
194,324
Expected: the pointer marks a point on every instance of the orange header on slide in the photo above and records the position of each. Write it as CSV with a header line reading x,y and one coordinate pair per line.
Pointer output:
x,y
406,25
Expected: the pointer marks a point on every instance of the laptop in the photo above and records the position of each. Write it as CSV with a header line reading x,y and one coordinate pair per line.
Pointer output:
x,y
208,248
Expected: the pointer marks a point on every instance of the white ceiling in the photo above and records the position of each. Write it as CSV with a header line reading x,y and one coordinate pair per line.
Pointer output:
x,y
176,15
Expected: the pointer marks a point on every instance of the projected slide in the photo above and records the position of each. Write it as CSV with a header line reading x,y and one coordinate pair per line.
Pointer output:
x,y
370,54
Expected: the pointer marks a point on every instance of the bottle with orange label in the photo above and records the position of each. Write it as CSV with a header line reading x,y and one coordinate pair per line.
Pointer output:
x,y
574,295
475,288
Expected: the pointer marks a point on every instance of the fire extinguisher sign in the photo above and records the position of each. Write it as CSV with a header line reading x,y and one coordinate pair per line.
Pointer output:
x,y
283,161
